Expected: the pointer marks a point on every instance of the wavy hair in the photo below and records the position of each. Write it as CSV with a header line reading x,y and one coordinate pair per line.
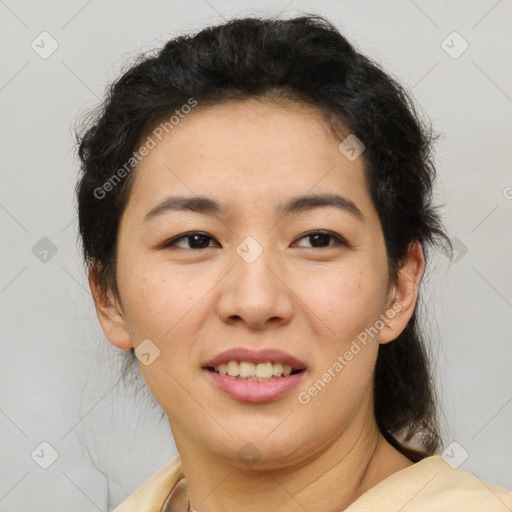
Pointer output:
x,y
303,59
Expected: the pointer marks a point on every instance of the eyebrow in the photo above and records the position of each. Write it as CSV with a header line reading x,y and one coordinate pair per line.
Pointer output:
x,y
208,206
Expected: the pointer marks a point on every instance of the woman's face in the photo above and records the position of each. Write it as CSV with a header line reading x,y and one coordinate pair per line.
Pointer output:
x,y
254,278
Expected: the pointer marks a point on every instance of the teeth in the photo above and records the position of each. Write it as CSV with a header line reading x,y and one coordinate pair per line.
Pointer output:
x,y
278,369
264,370
233,369
245,370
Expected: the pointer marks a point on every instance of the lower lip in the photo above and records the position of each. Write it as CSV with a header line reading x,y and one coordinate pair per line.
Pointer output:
x,y
256,391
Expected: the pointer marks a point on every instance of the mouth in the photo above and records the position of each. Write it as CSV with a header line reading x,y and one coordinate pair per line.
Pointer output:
x,y
255,376
260,372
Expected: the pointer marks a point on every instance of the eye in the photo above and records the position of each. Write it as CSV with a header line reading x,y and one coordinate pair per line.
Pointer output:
x,y
320,239
195,239
198,240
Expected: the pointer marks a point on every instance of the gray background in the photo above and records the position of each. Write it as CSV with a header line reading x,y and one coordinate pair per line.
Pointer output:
x,y
59,377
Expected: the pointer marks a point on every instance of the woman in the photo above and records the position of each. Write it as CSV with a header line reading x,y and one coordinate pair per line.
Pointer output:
x,y
255,210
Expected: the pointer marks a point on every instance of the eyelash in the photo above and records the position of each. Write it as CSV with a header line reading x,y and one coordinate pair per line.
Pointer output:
x,y
339,240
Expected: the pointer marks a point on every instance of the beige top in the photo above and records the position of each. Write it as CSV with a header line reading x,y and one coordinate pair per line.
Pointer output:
x,y
430,485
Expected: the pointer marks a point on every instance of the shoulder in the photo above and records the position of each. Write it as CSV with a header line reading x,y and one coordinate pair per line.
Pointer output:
x,y
433,485
150,496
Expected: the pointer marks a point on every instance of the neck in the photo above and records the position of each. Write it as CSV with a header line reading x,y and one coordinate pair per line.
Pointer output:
x,y
329,480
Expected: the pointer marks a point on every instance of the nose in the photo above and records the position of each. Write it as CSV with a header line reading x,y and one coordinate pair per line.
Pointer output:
x,y
256,294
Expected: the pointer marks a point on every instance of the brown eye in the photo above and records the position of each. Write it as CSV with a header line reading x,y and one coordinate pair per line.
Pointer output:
x,y
195,240
320,239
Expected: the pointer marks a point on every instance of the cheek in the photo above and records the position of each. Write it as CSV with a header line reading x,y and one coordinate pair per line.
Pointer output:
x,y
347,299
157,307
154,301
349,302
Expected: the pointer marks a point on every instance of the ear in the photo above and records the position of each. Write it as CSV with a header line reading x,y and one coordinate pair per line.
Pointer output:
x,y
109,314
404,293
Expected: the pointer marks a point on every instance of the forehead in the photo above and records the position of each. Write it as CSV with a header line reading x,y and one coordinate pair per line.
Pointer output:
x,y
247,154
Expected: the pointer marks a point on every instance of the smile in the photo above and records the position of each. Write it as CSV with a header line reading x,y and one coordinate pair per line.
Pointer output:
x,y
256,376
260,372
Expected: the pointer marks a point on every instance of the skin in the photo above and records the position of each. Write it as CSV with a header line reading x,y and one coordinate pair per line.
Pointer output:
x,y
309,300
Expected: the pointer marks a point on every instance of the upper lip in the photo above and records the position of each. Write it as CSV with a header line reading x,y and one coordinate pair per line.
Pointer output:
x,y
255,356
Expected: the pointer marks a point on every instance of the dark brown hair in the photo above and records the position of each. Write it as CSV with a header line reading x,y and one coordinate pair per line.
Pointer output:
x,y
304,59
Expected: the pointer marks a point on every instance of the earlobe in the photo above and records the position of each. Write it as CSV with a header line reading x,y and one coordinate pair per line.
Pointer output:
x,y
405,292
109,314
